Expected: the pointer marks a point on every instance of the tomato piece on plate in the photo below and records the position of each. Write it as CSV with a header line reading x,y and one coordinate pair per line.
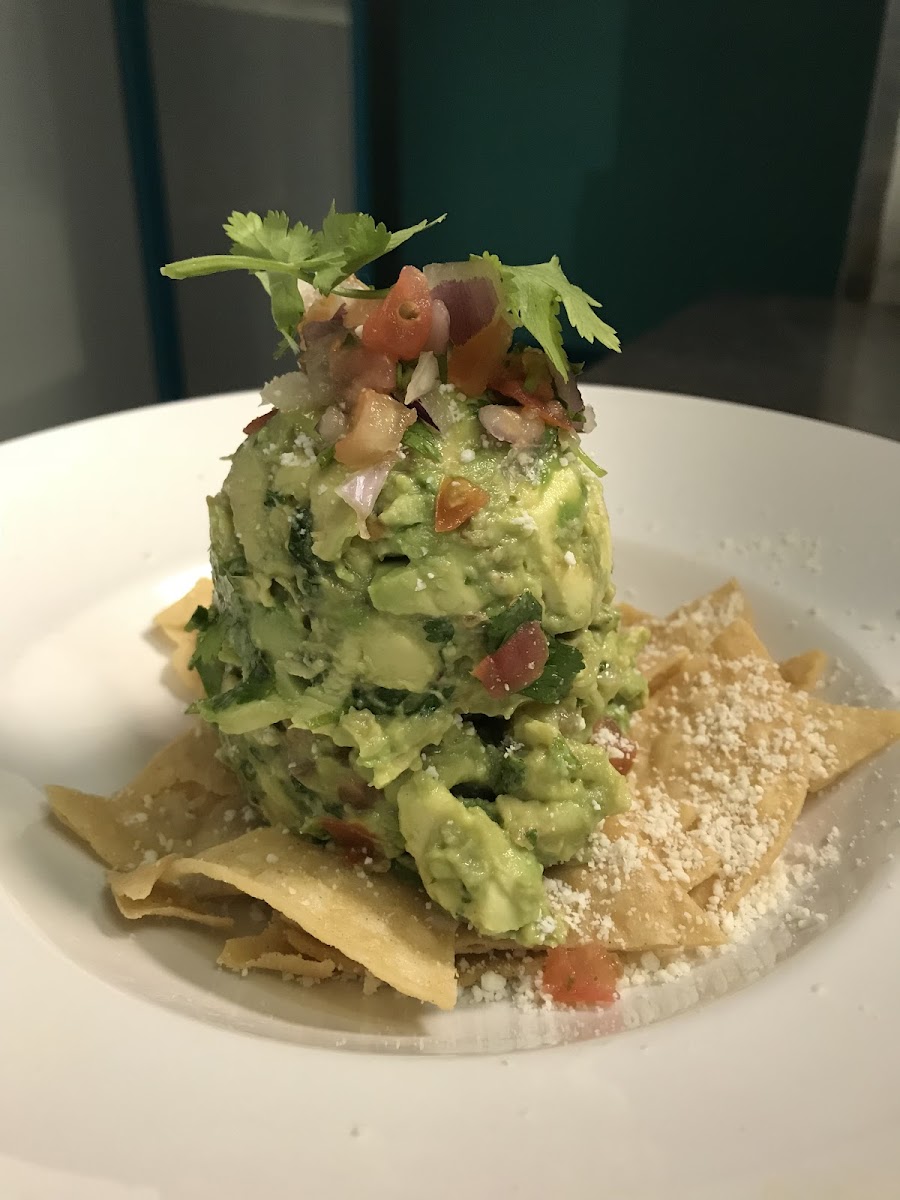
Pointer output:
x,y
377,426
257,423
457,501
576,975
471,365
620,749
401,324
519,661
354,839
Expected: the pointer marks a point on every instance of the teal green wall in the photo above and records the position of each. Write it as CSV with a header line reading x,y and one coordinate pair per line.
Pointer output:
x,y
664,150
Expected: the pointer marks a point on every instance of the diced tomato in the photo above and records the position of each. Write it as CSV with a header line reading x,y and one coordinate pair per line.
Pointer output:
x,y
519,661
354,839
581,975
457,501
401,324
357,793
377,426
525,378
354,368
471,365
619,747
258,422
551,412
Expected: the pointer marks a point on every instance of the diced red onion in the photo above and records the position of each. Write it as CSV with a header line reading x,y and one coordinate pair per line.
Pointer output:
x,y
312,331
317,363
440,327
567,390
518,426
333,424
590,420
424,377
443,410
470,291
363,488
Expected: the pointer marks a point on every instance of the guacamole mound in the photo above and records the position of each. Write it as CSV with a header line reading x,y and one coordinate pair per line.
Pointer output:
x,y
338,658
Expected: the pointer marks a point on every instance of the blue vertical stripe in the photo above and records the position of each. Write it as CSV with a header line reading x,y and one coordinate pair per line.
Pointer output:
x,y
129,19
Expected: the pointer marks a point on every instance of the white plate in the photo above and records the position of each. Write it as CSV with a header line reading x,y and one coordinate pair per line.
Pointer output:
x,y
132,1068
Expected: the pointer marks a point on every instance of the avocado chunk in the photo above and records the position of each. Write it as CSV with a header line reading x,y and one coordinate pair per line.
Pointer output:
x,y
467,862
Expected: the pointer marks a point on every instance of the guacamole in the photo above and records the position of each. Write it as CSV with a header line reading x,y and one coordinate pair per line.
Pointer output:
x,y
412,643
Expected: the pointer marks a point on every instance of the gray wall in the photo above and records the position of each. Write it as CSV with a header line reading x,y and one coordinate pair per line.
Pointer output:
x,y
73,330
255,112
254,105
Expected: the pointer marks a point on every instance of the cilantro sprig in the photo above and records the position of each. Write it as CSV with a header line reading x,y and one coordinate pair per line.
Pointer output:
x,y
279,254
535,294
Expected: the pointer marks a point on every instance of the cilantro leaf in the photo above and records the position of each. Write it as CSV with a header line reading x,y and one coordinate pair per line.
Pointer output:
x,y
390,702
199,619
349,241
438,629
555,682
535,294
424,440
279,254
505,623
273,238
509,775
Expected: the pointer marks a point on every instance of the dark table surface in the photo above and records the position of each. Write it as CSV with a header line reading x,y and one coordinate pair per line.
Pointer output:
x,y
835,360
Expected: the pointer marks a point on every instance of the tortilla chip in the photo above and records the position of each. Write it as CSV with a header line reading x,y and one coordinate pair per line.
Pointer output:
x,y
726,736
200,900
376,920
843,736
298,939
625,899
184,800
171,622
177,615
168,901
270,950
470,940
687,630
804,672
510,966
633,616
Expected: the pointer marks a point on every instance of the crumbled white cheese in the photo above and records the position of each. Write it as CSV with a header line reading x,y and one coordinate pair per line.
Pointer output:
x,y
526,521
